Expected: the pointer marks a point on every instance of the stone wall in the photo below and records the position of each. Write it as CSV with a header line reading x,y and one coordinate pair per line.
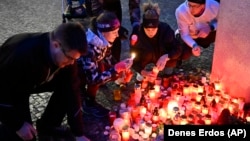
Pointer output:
x,y
231,59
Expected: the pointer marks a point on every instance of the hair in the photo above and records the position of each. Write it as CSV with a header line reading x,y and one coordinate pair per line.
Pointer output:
x,y
151,10
71,35
198,1
151,13
107,21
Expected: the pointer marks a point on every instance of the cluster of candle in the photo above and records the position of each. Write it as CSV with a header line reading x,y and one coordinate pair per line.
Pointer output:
x,y
173,100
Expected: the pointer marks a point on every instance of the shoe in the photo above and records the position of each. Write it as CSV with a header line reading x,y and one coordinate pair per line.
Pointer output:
x,y
68,10
95,109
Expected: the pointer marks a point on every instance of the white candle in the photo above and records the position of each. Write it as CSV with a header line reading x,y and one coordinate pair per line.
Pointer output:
x,y
125,135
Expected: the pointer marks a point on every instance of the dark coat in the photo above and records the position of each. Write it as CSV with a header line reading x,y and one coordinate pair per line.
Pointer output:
x,y
150,50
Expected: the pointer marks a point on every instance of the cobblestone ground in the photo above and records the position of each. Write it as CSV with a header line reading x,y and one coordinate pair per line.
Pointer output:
x,y
17,16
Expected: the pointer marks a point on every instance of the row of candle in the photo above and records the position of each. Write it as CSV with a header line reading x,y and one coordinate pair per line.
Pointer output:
x,y
177,103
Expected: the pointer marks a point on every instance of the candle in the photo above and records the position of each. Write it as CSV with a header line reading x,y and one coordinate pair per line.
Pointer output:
x,y
118,124
148,128
200,88
152,94
208,119
162,114
157,88
248,118
204,109
186,90
183,120
143,111
125,135
217,85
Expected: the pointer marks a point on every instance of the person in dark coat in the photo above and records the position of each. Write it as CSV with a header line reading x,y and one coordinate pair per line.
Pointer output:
x,y
154,42
41,62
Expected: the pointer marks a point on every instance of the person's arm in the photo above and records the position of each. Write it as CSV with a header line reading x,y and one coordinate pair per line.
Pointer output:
x,y
89,67
73,101
183,28
172,45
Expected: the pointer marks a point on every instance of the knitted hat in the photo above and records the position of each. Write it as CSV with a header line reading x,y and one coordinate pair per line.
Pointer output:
x,y
150,23
198,1
108,26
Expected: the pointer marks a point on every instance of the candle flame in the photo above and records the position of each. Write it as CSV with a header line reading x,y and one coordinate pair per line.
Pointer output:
x,y
132,55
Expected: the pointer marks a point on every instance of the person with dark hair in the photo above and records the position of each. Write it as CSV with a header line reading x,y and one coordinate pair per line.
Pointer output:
x,y
99,66
96,7
41,62
197,24
155,42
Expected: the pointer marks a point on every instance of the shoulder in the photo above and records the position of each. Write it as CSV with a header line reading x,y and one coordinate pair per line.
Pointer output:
x,y
182,8
212,5
164,27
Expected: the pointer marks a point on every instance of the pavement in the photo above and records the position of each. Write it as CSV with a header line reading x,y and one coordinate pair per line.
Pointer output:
x,y
41,16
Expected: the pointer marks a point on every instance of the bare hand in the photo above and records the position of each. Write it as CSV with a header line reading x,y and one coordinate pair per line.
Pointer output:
x,y
26,132
123,65
196,51
162,62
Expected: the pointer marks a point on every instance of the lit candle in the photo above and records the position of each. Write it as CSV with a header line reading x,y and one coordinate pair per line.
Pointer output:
x,y
186,90
248,118
143,111
152,94
184,120
204,109
157,88
200,88
162,114
133,56
125,135
217,85
199,96
148,128
208,119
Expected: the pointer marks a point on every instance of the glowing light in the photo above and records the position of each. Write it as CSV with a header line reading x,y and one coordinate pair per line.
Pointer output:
x,y
133,55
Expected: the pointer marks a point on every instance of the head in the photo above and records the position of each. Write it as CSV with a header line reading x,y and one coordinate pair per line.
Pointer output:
x,y
108,24
68,43
151,13
196,7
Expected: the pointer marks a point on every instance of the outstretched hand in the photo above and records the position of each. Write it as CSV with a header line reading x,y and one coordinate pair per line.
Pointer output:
x,y
196,51
124,65
162,62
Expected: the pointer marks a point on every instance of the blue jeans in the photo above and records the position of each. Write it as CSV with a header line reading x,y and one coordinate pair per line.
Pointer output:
x,y
81,2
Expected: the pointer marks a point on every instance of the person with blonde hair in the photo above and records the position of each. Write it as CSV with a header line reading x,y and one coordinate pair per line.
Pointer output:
x,y
155,42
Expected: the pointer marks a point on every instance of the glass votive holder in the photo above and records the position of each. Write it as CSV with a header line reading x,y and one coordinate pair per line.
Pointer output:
x,y
117,94
125,135
208,119
158,81
205,110
183,120
148,128
112,117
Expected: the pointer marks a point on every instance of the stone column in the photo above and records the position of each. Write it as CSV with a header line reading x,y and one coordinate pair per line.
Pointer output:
x,y
231,59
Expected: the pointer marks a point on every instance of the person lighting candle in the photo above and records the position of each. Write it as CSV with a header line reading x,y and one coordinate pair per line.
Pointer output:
x,y
155,43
